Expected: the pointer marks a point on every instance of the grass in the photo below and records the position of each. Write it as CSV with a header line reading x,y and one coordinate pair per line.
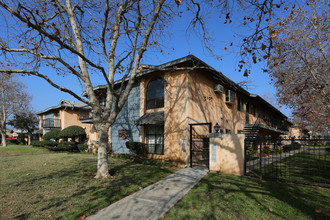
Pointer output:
x,y
16,150
61,185
307,166
220,196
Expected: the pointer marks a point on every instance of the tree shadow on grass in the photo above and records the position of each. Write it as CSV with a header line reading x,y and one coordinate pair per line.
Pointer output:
x,y
127,177
224,196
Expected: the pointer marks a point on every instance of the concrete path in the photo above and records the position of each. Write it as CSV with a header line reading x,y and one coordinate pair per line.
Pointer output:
x,y
155,200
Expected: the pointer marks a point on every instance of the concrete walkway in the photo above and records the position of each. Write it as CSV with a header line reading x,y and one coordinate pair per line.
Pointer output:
x,y
155,200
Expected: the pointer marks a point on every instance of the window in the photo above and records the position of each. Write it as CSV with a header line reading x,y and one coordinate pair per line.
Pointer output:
x,y
254,111
155,139
155,93
240,104
230,97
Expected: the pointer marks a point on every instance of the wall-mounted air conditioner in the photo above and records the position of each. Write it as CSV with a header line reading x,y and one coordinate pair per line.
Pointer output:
x,y
218,88
230,97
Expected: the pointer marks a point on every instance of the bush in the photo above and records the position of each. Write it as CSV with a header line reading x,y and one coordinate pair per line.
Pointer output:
x,y
51,135
290,147
64,146
72,132
82,147
37,143
50,143
137,148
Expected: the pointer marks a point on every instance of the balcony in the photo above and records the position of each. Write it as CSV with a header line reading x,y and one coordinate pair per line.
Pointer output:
x,y
51,123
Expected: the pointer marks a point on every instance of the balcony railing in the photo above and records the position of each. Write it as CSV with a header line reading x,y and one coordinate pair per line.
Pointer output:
x,y
51,123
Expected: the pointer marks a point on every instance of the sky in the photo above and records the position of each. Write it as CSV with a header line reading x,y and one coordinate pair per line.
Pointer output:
x,y
184,43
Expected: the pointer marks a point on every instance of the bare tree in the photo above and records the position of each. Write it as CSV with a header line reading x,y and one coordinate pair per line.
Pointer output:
x,y
85,39
299,64
13,100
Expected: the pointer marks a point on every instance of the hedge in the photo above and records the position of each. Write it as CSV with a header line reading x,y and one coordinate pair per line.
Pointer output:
x,y
82,147
64,146
72,132
51,135
137,148
50,143
290,147
37,143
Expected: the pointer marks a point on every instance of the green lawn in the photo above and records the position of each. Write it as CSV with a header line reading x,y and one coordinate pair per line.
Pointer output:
x,y
220,196
16,150
61,185
309,166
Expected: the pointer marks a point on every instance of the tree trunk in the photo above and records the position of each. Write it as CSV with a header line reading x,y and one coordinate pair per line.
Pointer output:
x,y
29,139
3,135
102,156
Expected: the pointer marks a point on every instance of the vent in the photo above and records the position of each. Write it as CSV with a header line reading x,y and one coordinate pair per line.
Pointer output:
x,y
218,88
230,97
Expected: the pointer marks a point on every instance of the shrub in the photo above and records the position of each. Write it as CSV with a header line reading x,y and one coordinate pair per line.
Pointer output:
x,y
82,147
293,146
51,135
50,143
64,146
137,148
37,143
72,132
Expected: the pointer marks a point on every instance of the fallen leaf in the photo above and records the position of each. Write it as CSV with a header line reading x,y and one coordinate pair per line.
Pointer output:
x,y
27,174
82,217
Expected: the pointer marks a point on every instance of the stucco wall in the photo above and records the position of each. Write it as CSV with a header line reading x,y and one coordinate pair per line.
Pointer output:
x,y
208,106
175,115
125,120
227,154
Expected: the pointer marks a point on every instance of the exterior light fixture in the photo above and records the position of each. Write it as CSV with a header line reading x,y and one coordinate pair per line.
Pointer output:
x,y
217,127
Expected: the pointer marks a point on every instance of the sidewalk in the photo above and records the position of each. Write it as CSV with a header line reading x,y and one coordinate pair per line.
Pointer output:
x,y
155,200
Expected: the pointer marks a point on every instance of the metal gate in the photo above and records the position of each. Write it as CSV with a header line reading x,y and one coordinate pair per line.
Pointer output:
x,y
199,144
294,160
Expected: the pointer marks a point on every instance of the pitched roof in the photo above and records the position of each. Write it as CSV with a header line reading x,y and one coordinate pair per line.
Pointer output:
x,y
67,104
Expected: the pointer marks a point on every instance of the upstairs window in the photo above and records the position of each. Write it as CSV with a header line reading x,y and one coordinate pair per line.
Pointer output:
x,y
240,104
155,93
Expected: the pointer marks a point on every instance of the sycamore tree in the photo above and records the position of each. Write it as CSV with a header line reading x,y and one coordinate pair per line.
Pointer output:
x,y
290,39
84,39
13,100
299,64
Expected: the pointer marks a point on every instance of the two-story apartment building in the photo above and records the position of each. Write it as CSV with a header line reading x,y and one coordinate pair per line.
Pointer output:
x,y
169,98
65,114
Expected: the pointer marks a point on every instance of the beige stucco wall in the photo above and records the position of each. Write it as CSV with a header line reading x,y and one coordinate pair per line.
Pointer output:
x,y
229,156
208,106
175,127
